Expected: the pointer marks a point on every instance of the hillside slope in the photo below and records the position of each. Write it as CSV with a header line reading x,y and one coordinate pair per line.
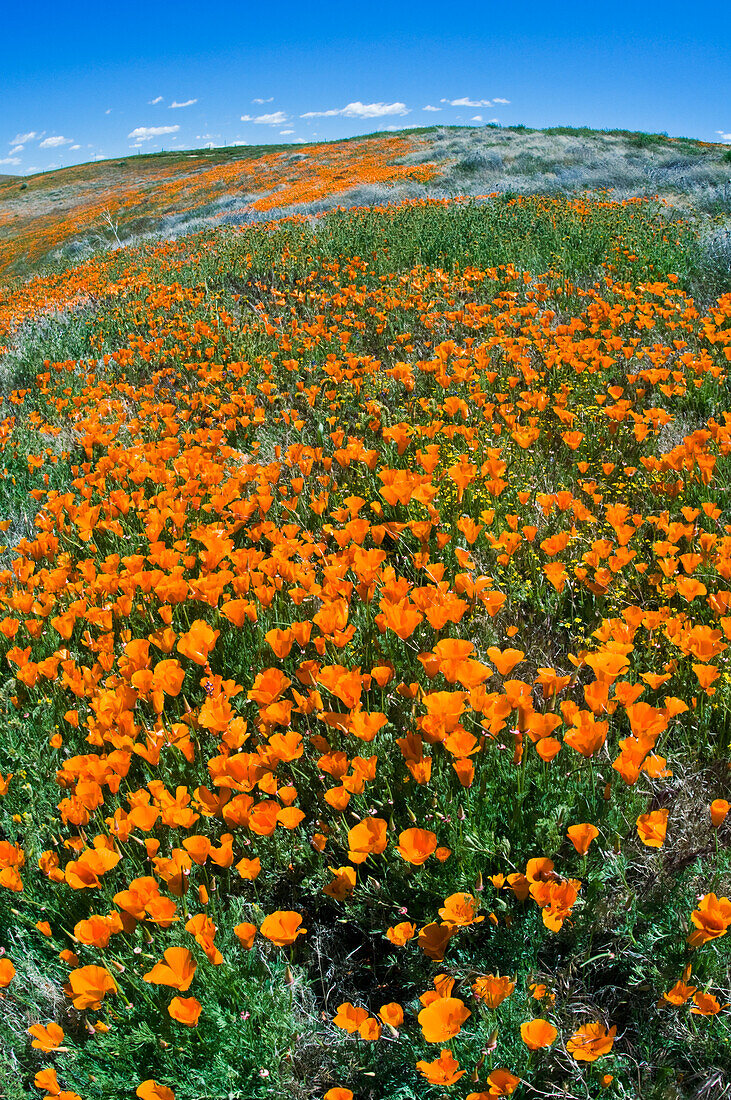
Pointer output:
x,y
65,214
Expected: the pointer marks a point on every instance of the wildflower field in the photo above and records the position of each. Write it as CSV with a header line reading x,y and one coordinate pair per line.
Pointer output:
x,y
365,618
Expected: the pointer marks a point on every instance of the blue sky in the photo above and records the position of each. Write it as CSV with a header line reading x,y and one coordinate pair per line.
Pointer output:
x,y
85,81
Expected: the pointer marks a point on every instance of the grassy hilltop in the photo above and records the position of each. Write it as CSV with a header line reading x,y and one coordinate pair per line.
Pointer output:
x,y
365,618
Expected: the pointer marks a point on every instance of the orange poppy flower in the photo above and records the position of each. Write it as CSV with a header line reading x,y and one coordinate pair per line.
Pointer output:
x,y
444,1070
400,934
7,973
345,684
282,927
349,1017
151,1090
268,686
705,1004
433,939
185,1010
198,642
249,868
443,1019
338,1093
461,910
711,919
370,1029
197,848
46,1038
591,1041
416,845
245,933
382,674
537,1033
505,660
48,1080
85,872
239,611
707,675
368,837
719,809
342,885
89,985
502,1082
492,989
652,828
402,617
680,994
338,798
97,931
392,1014
548,748
581,836
587,735
281,641
177,971
168,677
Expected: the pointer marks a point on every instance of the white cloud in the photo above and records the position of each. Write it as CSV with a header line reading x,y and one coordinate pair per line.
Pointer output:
x,y
9,160
240,142
409,126
724,136
361,110
276,118
99,156
430,108
157,99
16,149
465,102
54,142
23,139
74,147
286,132
476,118
497,99
187,103
147,133
260,100
494,120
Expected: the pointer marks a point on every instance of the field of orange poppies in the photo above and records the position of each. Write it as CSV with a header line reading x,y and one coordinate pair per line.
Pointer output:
x,y
365,616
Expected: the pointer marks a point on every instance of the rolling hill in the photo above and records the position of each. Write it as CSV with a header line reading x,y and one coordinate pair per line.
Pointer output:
x,y
61,216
